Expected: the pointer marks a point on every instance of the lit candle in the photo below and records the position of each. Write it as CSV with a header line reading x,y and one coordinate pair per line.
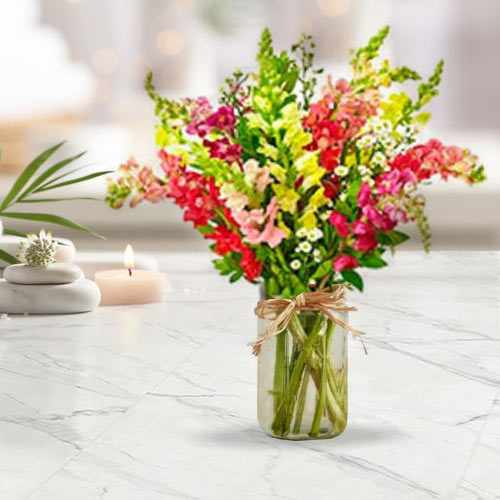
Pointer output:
x,y
129,285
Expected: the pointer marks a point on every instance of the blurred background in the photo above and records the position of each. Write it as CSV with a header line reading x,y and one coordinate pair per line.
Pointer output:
x,y
74,69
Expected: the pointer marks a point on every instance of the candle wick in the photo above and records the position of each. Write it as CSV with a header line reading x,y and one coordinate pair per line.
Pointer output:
x,y
130,271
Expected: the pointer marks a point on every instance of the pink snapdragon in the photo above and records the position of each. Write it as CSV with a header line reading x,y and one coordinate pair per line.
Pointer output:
x,y
223,119
205,120
200,110
256,175
258,227
340,223
223,149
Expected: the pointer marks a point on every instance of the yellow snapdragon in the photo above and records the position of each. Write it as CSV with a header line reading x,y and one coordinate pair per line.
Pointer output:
x,y
287,198
307,166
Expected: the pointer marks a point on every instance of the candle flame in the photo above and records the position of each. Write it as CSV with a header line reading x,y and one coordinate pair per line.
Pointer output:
x,y
128,257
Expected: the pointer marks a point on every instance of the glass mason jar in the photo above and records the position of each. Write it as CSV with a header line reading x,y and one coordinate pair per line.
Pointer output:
x,y
302,378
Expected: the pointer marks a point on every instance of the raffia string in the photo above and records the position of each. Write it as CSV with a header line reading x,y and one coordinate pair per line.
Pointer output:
x,y
280,312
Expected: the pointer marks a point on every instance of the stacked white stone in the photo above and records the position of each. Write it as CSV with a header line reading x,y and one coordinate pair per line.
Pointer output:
x,y
59,288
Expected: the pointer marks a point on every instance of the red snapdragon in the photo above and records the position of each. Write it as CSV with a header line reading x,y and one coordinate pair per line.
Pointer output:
x,y
343,262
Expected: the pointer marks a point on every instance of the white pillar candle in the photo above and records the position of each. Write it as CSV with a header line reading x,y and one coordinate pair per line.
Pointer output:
x,y
130,286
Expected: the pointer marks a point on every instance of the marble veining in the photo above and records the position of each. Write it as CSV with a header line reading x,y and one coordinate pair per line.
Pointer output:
x,y
158,401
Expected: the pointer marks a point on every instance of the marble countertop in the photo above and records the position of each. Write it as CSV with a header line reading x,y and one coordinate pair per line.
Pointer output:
x,y
158,402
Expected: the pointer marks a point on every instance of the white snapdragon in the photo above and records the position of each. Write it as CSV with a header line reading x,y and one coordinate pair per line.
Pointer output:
x,y
409,188
235,200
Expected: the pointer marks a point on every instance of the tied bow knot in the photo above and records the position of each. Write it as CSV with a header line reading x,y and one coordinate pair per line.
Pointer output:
x,y
280,311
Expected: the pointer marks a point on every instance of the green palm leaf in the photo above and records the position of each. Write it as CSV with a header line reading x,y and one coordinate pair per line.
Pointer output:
x,y
7,257
49,173
13,232
48,187
51,200
26,175
50,218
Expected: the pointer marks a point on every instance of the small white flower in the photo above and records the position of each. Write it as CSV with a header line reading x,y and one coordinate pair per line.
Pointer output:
x,y
312,282
368,180
374,121
325,215
378,128
388,142
386,125
302,233
379,158
366,141
343,196
363,169
341,171
402,129
305,246
295,264
315,234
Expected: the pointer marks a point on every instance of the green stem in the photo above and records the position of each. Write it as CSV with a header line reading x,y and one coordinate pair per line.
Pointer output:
x,y
334,408
320,405
301,402
279,382
287,404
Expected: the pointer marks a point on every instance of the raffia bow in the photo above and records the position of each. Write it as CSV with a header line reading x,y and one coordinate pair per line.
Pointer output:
x,y
280,311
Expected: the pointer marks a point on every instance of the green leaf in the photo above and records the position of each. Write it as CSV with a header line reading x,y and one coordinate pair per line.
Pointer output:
x,y
26,175
61,176
72,181
13,232
272,288
236,276
353,190
45,176
51,200
7,257
51,219
322,270
205,229
392,238
353,278
373,261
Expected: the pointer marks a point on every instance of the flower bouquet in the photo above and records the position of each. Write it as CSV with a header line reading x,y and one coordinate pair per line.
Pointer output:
x,y
299,191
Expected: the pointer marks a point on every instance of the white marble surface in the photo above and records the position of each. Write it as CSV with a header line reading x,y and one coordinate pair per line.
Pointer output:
x,y
158,401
